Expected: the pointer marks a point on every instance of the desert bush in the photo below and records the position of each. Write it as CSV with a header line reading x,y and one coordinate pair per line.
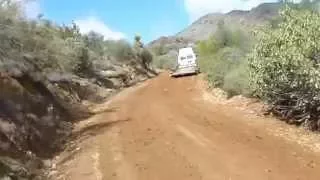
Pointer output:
x,y
95,42
40,39
166,62
208,47
310,5
219,65
121,50
222,59
237,81
59,48
160,50
284,67
84,66
143,55
146,56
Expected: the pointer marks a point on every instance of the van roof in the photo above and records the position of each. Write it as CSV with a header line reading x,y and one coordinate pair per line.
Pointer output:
x,y
187,50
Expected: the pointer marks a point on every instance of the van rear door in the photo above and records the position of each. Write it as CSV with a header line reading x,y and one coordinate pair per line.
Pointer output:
x,y
187,58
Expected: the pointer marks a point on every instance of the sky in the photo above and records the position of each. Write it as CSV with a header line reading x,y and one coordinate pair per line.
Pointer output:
x,y
123,19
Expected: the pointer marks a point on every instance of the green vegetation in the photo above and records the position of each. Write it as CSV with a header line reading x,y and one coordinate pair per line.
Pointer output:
x,y
160,50
121,50
223,59
143,54
284,67
310,5
46,72
163,58
279,64
59,48
165,62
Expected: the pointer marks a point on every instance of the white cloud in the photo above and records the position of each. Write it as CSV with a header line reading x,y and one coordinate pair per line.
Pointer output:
x,y
198,8
94,24
30,8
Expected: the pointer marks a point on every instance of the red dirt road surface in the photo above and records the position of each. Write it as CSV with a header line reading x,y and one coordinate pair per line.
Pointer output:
x,y
165,129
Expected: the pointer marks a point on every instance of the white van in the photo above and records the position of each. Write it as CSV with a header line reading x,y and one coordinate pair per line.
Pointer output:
x,y
186,62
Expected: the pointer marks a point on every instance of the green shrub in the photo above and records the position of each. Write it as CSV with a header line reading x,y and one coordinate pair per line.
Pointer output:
x,y
310,5
83,66
218,66
208,47
95,42
121,50
223,36
159,50
236,82
284,67
58,48
146,56
165,62
222,59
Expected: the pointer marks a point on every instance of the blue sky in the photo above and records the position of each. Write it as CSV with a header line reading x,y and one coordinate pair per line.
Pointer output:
x,y
117,19
146,17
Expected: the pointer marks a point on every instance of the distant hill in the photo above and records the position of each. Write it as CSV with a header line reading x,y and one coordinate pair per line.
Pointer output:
x,y
206,25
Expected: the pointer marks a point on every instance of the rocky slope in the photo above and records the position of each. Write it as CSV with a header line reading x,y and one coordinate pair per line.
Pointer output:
x,y
37,110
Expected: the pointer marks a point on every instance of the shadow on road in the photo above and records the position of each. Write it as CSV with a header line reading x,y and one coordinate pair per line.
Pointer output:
x,y
86,133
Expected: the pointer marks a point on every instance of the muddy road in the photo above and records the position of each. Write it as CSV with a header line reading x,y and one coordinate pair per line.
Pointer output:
x,y
166,130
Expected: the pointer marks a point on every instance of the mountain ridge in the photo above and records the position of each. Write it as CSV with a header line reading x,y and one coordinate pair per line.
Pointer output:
x,y
207,24
203,27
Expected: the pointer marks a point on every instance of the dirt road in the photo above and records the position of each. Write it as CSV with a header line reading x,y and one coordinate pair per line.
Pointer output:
x,y
166,130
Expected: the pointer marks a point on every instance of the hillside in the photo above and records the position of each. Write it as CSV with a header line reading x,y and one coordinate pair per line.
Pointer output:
x,y
49,74
206,25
